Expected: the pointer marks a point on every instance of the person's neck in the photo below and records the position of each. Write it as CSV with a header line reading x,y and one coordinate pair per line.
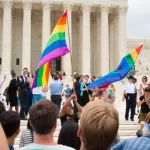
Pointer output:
x,y
86,81
11,141
44,139
82,146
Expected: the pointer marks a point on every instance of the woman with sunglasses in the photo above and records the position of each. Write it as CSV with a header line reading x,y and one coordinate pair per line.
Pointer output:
x,y
143,85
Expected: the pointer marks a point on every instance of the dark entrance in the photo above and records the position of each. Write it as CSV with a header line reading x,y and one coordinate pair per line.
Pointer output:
x,y
56,65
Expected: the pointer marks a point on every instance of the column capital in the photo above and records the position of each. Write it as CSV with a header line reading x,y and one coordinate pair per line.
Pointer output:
x,y
104,9
68,7
27,4
46,6
112,17
86,8
122,10
7,4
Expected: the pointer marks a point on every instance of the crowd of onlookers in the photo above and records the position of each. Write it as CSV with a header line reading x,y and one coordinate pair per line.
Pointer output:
x,y
88,118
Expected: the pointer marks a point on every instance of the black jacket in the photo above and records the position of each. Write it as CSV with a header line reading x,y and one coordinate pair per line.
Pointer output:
x,y
22,86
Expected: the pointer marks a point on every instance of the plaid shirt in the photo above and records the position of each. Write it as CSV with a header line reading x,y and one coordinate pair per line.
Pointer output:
x,y
142,143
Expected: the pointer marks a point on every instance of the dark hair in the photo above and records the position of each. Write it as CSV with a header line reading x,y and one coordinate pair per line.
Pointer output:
x,y
29,125
43,116
25,68
78,77
147,89
2,107
68,135
130,78
94,77
10,122
87,76
144,77
13,75
55,77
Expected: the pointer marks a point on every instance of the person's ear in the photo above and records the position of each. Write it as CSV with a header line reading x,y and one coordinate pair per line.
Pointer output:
x,y
79,134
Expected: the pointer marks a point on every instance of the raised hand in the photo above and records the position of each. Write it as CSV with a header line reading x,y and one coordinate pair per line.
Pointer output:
x,y
20,79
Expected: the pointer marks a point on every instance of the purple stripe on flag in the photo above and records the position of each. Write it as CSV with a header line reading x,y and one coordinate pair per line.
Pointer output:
x,y
54,54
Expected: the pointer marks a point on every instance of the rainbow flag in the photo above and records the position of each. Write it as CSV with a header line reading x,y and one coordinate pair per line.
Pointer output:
x,y
56,47
123,69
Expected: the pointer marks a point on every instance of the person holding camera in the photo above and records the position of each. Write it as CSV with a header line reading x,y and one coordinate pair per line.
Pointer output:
x,y
144,103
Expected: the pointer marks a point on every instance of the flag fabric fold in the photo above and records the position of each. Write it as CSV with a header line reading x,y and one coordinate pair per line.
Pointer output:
x,y
56,47
118,74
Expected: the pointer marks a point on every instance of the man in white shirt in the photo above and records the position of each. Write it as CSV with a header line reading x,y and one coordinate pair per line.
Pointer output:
x,y
130,95
43,118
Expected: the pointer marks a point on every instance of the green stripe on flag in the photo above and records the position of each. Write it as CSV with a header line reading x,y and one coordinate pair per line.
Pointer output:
x,y
130,60
56,37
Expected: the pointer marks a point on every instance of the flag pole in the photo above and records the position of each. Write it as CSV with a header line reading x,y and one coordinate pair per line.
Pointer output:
x,y
70,53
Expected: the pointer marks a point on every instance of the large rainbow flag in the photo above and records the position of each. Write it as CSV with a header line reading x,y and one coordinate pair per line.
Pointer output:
x,y
56,47
123,69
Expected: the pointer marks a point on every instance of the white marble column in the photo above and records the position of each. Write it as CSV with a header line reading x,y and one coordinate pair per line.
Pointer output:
x,y
86,40
116,39
7,37
80,40
66,61
46,24
98,49
111,42
122,39
104,41
93,54
26,45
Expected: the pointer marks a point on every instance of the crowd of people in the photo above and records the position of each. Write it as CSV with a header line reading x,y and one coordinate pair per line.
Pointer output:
x,y
88,118
137,95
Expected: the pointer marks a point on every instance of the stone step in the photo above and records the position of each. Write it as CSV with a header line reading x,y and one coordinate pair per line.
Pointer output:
x,y
122,138
129,127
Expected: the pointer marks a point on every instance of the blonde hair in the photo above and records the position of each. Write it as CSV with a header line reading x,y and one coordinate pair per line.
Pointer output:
x,y
147,119
99,125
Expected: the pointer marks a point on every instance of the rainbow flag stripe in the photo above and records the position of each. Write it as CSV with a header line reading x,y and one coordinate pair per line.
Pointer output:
x,y
118,74
56,47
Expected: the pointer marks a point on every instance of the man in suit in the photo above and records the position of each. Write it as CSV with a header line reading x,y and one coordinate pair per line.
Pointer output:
x,y
22,90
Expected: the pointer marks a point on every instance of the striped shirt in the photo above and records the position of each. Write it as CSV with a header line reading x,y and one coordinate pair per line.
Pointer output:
x,y
27,137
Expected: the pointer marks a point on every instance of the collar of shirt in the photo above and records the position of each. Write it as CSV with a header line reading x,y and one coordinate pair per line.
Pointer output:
x,y
24,78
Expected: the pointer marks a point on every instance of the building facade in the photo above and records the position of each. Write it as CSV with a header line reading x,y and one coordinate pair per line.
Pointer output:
x,y
97,34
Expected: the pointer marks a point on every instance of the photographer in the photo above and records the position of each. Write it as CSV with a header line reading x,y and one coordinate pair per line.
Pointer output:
x,y
144,103
66,113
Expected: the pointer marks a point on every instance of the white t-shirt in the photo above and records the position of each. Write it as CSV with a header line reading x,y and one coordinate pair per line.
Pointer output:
x,y
130,88
45,147
38,90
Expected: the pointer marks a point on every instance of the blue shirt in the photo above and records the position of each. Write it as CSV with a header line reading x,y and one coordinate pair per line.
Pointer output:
x,y
142,143
56,88
68,91
11,147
